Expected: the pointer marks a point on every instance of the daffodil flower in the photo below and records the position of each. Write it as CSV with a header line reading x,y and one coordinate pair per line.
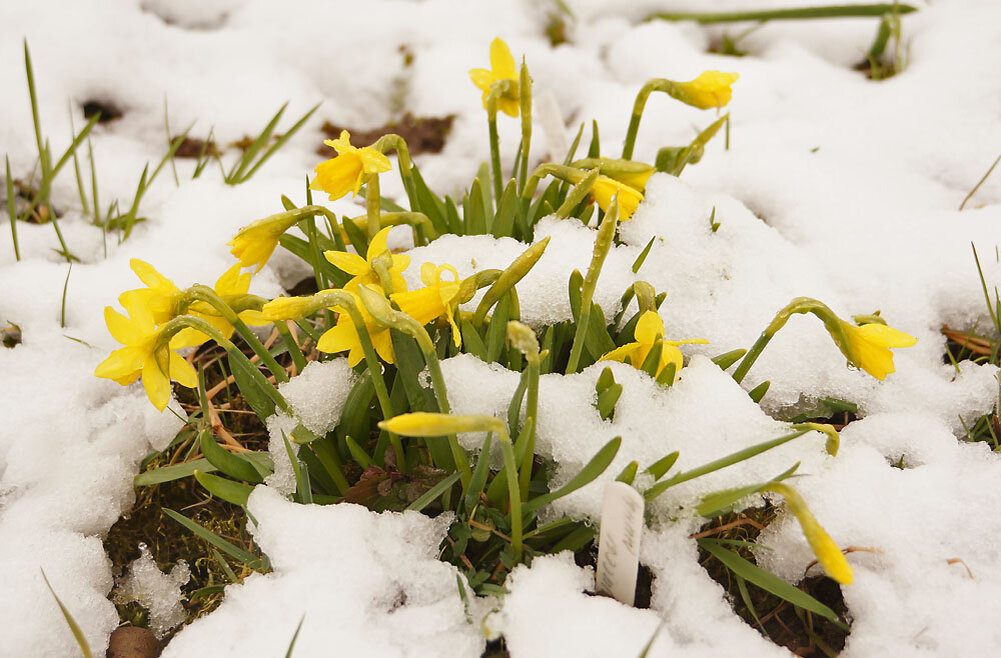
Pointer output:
x,y
254,243
345,172
140,356
868,346
502,65
649,328
161,297
828,554
343,337
710,89
361,268
439,298
605,188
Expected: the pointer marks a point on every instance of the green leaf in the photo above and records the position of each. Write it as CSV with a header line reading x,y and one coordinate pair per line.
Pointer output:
x,y
503,224
659,468
229,463
295,636
228,490
717,502
591,470
261,461
471,341
765,580
78,635
431,494
759,391
638,263
234,551
727,359
258,400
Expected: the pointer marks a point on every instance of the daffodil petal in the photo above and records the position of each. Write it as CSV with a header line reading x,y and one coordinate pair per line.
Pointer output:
x,y
501,60
353,264
481,78
124,363
121,328
232,282
621,353
373,162
649,327
156,384
382,341
148,275
182,372
884,336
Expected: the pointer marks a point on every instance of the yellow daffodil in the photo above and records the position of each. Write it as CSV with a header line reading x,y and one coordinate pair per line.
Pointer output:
x,y
344,172
254,243
648,329
502,65
231,284
710,89
287,308
439,298
343,337
828,554
138,334
361,268
159,297
868,346
605,188
423,423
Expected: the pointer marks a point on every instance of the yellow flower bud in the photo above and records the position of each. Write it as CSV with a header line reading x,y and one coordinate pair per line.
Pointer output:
x,y
421,423
710,89
828,554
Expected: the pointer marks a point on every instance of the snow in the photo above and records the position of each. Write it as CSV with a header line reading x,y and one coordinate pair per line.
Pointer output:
x,y
158,592
360,583
834,186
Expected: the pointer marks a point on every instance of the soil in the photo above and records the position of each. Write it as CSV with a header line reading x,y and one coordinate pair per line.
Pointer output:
x,y
422,134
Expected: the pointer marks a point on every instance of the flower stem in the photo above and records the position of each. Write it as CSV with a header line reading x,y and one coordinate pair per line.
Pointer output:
x,y
372,199
204,327
495,163
656,84
207,295
602,244
797,305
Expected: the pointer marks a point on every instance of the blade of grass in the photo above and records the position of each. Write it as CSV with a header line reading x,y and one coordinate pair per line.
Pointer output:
x,y
10,209
78,635
243,555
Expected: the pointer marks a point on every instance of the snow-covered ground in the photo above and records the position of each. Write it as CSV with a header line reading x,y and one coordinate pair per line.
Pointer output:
x,y
834,187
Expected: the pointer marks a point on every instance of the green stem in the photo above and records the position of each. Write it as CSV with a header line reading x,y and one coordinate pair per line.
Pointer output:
x,y
394,141
525,102
634,120
190,321
495,163
531,414
290,343
205,294
602,245
372,199
514,494
347,302
797,305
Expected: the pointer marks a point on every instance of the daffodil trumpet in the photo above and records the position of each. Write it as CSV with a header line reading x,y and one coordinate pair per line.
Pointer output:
x,y
628,172
426,424
710,89
866,347
602,245
254,243
602,189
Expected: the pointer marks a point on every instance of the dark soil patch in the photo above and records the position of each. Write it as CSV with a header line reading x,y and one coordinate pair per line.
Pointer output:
x,y
192,147
108,110
422,134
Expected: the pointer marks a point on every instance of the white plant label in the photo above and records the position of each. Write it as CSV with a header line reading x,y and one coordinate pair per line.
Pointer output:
x,y
619,542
